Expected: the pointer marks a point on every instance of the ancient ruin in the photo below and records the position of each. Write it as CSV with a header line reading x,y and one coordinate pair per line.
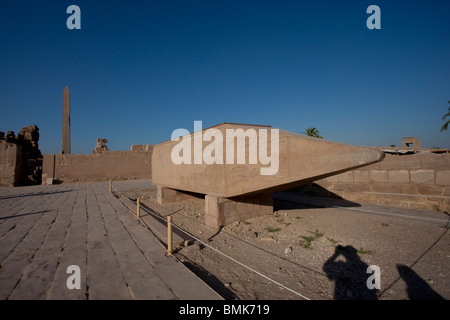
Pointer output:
x,y
20,157
238,191
101,146
101,165
411,143
66,122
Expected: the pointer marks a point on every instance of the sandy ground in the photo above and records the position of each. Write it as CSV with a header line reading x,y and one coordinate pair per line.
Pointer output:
x,y
304,252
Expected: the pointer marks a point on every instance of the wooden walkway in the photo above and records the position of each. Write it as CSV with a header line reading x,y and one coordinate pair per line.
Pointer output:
x,y
46,229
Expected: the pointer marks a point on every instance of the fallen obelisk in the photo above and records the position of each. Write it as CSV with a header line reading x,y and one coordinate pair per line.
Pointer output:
x,y
237,167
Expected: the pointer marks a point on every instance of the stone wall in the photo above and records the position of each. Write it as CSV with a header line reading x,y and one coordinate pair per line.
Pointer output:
x,y
12,172
20,157
115,165
420,180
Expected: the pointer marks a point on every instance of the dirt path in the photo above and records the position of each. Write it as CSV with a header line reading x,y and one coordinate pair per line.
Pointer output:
x,y
315,253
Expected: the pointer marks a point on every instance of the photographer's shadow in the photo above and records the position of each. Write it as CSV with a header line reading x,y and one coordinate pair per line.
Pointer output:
x,y
350,276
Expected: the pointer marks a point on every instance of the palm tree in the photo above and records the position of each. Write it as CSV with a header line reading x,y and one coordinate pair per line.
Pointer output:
x,y
312,132
445,126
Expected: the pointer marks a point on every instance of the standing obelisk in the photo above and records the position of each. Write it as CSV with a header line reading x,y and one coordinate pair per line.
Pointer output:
x,y
66,122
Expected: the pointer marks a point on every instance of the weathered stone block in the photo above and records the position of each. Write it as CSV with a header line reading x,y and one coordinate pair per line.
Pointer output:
x,y
446,191
165,195
331,179
211,206
395,188
300,160
228,208
342,186
443,177
223,211
345,177
435,161
115,165
424,176
429,189
378,175
243,207
398,176
361,176
394,162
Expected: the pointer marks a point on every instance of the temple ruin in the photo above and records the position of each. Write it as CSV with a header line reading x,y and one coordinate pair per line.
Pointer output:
x,y
20,157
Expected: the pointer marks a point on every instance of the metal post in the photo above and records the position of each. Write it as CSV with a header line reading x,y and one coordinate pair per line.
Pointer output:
x,y
169,235
138,207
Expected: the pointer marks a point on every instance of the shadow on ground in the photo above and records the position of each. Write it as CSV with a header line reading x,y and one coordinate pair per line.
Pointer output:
x,y
307,196
417,288
211,281
33,194
349,275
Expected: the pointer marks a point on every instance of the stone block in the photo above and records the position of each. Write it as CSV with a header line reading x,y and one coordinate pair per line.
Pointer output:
x,y
243,207
374,166
342,186
443,177
211,206
165,195
395,188
223,211
435,161
228,208
436,199
397,162
361,176
378,175
398,176
324,183
330,179
429,189
411,143
345,177
446,191
300,159
423,176
137,147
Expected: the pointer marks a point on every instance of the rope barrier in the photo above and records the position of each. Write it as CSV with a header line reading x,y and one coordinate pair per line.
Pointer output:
x,y
221,253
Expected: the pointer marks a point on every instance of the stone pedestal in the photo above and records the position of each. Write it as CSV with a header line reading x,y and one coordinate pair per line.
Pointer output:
x,y
224,211
165,195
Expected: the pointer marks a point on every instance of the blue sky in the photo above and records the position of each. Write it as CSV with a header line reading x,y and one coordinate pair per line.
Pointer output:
x,y
138,70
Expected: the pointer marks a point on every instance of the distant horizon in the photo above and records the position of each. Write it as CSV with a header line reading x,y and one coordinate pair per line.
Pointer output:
x,y
136,71
390,147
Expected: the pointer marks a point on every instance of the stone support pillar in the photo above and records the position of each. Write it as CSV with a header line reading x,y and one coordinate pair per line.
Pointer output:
x,y
224,211
165,195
